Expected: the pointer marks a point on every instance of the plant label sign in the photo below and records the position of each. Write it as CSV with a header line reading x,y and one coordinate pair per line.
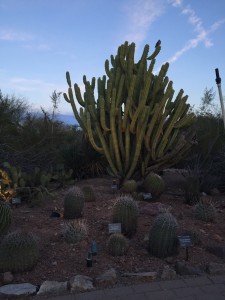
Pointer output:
x,y
114,228
185,240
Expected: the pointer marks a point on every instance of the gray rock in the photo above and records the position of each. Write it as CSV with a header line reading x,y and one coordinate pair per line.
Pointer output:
x,y
107,278
53,287
168,273
215,269
217,249
7,277
81,283
19,289
183,268
141,274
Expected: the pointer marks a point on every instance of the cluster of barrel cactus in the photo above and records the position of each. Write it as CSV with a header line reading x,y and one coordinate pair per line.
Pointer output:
x,y
134,121
117,244
205,211
75,231
5,218
163,236
125,211
18,252
73,203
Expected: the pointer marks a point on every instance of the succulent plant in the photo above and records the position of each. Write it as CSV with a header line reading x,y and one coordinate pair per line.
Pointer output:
x,y
154,184
89,194
117,244
163,240
191,190
125,211
129,186
73,203
205,211
75,231
18,252
5,218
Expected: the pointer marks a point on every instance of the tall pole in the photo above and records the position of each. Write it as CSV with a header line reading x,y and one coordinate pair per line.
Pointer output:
x,y
218,82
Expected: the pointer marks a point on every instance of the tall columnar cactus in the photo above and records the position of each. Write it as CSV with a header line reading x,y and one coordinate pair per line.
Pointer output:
x,y
73,203
18,252
134,122
154,184
5,218
125,211
162,237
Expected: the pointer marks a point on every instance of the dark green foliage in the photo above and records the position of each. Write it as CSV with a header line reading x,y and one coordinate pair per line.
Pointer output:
x,y
129,186
117,244
18,252
89,194
205,211
5,218
125,211
163,236
154,184
191,190
73,203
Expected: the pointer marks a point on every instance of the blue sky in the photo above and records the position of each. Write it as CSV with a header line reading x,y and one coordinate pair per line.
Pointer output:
x,y
42,39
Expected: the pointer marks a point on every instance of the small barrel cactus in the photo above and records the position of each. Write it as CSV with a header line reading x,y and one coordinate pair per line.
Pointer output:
x,y
191,190
205,211
5,218
75,231
129,186
125,211
154,184
18,252
163,238
117,244
73,203
89,194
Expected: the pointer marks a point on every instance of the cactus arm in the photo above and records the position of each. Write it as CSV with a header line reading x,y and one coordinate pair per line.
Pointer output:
x,y
68,79
128,101
120,134
127,146
157,50
151,126
90,135
102,115
120,91
78,95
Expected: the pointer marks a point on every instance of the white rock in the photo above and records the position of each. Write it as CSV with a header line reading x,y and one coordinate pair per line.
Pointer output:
x,y
81,283
53,287
18,289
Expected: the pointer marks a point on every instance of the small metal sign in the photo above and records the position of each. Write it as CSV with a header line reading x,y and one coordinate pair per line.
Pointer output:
x,y
185,240
16,201
114,228
147,196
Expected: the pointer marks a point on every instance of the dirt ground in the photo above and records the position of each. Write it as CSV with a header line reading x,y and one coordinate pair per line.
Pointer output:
x,y
60,261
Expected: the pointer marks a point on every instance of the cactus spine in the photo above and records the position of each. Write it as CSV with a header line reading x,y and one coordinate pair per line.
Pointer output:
x,y
5,218
18,252
73,203
134,121
162,237
125,211
117,244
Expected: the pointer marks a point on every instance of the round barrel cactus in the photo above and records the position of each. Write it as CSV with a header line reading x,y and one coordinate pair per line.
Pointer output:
x,y
73,203
18,252
205,211
154,184
117,244
75,231
5,218
129,186
125,211
89,194
163,236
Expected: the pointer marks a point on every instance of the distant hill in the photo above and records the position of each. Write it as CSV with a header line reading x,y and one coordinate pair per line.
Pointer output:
x,y
67,119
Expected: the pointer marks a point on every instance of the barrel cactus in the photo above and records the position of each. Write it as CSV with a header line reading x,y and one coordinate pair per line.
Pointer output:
x,y
75,231
73,203
129,186
191,190
125,211
89,194
117,244
154,184
18,252
205,211
162,238
5,218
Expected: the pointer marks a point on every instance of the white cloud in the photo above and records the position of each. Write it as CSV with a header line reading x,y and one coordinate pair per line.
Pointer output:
x,y
24,84
14,36
141,14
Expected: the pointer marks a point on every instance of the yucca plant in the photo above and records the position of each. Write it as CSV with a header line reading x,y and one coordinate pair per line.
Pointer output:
x,y
117,244
73,203
75,231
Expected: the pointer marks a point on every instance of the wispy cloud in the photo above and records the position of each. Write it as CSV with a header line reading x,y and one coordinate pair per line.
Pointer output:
x,y
196,22
141,14
15,36
24,84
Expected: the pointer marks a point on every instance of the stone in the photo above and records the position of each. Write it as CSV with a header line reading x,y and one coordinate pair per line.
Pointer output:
x,y
153,209
183,268
107,278
215,269
7,277
151,275
80,283
52,287
217,249
18,289
168,273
